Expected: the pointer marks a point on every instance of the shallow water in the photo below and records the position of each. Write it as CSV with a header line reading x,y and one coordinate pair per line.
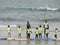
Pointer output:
x,y
17,12
3,33
29,42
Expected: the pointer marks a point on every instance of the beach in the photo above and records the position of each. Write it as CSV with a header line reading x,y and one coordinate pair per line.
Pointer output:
x,y
18,12
52,26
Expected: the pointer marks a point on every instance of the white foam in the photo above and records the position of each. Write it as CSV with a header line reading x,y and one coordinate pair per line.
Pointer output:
x,y
7,25
51,8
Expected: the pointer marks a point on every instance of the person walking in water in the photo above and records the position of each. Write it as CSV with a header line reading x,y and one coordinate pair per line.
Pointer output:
x,y
55,32
36,32
28,31
40,31
47,32
45,26
19,32
9,31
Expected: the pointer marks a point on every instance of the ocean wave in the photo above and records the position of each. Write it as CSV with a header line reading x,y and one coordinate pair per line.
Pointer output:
x,y
11,19
33,9
31,19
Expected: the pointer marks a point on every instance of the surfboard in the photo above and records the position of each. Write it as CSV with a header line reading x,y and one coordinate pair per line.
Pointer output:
x,y
3,38
25,39
43,39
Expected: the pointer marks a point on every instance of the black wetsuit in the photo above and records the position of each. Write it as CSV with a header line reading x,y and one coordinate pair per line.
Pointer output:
x,y
28,26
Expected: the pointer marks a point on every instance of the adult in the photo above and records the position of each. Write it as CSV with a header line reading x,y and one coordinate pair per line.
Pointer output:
x,y
28,25
28,29
45,26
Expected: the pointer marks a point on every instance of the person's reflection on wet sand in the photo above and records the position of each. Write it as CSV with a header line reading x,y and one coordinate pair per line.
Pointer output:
x,y
9,42
46,42
38,42
55,42
19,42
28,42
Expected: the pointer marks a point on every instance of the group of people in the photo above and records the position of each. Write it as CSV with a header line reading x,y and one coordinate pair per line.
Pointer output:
x,y
9,32
38,32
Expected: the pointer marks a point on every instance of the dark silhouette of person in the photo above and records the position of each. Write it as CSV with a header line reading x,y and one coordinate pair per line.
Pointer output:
x,y
28,25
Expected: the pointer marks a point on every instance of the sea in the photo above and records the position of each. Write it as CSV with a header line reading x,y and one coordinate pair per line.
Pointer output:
x,y
18,12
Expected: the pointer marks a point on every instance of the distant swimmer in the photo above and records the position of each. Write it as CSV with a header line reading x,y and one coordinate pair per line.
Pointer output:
x,y
19,32
55,32
9,31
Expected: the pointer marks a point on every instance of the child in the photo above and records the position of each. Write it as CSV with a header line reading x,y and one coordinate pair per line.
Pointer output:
x,y
40,31
36,36
55,32
28,33
47,32
19,32
9,31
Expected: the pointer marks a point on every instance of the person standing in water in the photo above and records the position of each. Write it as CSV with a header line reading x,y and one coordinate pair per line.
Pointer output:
x,y
28,32
47,32
36,33
55,32
9,31
19,32
45,26
28,25
40,31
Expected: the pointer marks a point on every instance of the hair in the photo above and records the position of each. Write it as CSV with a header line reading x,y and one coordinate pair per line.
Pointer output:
x,y
46,28
39,25
45,20
8,25
18,26
28,28
56,28
27,22
36,27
